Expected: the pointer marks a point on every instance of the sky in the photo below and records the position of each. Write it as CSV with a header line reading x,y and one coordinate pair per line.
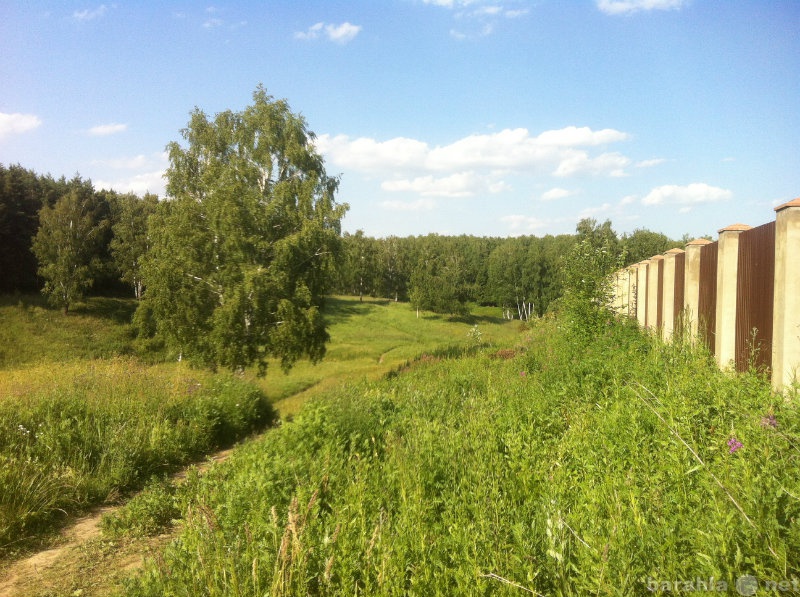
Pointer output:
x,y
483,117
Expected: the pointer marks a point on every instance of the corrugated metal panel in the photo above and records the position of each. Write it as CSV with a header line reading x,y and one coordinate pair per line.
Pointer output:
x,y
755,291
680,265
707,307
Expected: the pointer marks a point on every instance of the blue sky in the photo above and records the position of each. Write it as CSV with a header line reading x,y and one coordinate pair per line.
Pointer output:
x,y
485,117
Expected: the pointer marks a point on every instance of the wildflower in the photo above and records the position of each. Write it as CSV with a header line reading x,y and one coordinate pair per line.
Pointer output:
x,y
523,373
769,421
734,444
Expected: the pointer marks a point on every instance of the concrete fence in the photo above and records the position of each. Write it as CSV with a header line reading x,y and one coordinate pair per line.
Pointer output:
x,y
740,295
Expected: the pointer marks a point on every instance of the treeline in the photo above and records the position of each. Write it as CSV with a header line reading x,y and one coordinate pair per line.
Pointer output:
x,y
98,238
522,275
94,238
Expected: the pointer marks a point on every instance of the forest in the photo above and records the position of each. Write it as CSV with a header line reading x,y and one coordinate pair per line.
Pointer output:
x,y
436,273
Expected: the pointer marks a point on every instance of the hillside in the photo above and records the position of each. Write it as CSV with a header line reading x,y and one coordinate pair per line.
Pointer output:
x,y
622,466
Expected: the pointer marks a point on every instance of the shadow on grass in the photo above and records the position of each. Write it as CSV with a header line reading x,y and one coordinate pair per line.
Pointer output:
x,y
117,310
340,309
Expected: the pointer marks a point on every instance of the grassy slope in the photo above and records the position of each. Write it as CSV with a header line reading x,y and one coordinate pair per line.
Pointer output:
x,y
568,470
83,418
372,337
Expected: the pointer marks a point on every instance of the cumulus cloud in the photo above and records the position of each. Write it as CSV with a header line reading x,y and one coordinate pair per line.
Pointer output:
x,y
89,14
103,130
461,184
340,34
650,163
556,193
425,204
145,182
478,163
16,123
519,224
617,7
698,192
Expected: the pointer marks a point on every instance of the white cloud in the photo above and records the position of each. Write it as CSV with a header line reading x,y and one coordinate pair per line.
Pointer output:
x,y
698,192
650,163
425,204
588,212
617,7
577,163
103,130
212,23
340,34
478,164
556,193
461,184
519,224
90,14
16,123
368,155
146,182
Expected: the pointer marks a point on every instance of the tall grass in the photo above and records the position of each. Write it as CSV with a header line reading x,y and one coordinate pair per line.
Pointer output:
x,y
76,434
602,468
83,418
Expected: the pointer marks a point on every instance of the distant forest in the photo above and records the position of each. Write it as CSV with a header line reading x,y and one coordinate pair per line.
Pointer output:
x,y
435,273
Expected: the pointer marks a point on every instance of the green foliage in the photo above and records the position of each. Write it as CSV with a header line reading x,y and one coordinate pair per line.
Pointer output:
x,y
130,242
644,244
66,246
568,470
148,513
586,271
243,250
72,435
33,333
435,285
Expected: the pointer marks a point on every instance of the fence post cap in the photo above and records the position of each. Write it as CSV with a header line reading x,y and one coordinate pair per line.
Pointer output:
x,y
735,228
675,251
792,203
656,257
699,241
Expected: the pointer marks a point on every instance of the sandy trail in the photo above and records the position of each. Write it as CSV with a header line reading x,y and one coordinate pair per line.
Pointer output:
x,y
37,570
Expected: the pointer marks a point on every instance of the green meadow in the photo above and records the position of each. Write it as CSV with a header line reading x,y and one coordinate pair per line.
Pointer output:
x,y
88,413
615,466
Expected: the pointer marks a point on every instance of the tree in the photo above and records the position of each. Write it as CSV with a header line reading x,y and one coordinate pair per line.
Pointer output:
x,y
20,202
242,251
436,282
66,246
587,270
643,244
130,241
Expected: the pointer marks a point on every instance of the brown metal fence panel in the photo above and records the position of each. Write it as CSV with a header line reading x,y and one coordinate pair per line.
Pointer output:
x,y
707,307
755,291
680,264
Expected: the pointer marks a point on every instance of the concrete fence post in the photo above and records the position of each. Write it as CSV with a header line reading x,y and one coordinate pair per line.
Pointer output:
x,y
641,292
786,312
691,294
655,279
632,274
672,292
727,272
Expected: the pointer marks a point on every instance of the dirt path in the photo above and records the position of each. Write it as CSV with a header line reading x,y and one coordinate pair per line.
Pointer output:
x,y
67,568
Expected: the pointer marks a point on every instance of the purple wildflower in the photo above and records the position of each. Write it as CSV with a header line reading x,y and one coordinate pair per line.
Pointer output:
x,y
734,444
769,421
523,373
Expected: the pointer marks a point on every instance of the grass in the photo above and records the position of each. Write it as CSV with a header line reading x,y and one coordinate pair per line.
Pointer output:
x,y
373,337
620,466
87,414
31,332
